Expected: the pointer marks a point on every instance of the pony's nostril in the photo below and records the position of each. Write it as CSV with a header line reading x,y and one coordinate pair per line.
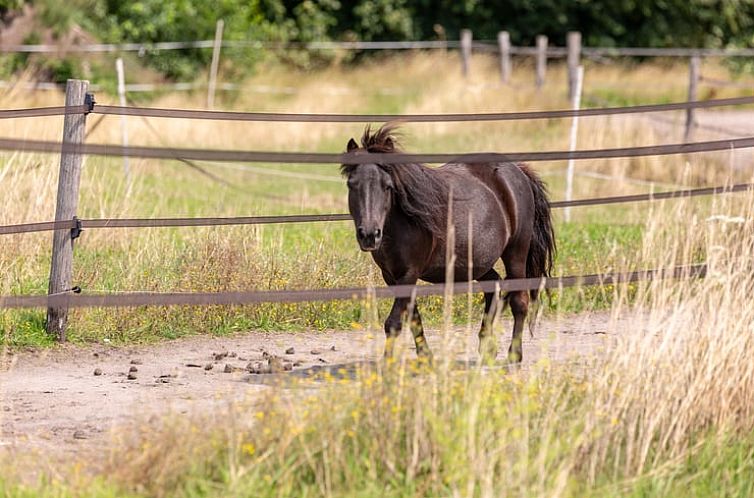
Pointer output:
x,y
360,232
377,233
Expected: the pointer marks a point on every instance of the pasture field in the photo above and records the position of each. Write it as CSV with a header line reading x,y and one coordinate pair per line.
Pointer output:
x,y
325,254
666,411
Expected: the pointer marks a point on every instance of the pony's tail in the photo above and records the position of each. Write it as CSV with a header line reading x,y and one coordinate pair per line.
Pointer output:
x,y
542,248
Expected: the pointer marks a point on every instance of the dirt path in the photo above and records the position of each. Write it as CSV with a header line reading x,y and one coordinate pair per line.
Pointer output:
x,y
52,402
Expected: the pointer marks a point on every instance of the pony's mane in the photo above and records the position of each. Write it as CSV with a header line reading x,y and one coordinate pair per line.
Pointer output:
x,y
421,193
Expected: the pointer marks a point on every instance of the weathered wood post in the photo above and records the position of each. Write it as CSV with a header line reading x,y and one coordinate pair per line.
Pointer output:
x,y
573,42
123,123
541,60
694,63
504,44
212,84
466,37
61,268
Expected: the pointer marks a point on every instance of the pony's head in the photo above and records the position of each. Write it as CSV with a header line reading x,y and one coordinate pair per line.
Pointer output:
x,y
371,188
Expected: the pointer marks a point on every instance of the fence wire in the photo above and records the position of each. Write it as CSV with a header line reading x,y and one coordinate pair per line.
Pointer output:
x,y
46,226
365,118
357,157
412,118
480,45
135,299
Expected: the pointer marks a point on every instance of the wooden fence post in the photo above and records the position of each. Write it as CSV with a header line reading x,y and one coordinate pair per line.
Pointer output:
x,y
61,268
123,127
694,63
541,60
504,44
573,42
466,37
212,84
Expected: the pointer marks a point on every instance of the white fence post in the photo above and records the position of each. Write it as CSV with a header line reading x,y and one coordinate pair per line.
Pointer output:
x,y
123,123
466,38
61,267
215,63
541,60
504,44
575,105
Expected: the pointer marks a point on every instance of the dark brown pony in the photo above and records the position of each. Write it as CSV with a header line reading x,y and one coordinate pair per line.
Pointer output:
x,y
400,212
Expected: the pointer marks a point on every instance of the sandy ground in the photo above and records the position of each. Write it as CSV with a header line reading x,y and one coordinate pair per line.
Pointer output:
x,y
52,403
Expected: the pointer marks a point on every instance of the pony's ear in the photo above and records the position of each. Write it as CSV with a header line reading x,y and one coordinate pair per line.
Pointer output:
x,y
389,144
351,145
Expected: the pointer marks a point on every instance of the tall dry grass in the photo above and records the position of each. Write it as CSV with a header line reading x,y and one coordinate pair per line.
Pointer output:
x,y
269,257
678,379
597,424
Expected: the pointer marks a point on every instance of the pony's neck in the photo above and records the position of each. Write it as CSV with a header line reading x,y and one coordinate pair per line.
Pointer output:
x,y
422,196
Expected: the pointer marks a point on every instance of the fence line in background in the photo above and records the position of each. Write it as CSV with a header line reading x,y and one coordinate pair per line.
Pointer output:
x,y
294,296
487,45
80,224
541,52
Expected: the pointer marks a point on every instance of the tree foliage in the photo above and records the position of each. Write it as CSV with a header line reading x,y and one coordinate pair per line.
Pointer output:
x,y
640,23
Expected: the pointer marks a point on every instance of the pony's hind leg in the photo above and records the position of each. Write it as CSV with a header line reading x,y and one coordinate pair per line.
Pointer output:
x,y
515,267
488,345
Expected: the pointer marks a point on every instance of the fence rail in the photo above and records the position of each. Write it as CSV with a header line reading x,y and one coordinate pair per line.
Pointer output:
x,y
482,45
46,226
70,300
366,158
364,118
60,297
414,118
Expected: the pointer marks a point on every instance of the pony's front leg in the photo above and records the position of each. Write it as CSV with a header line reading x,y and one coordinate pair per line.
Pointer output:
x,y
417,329
394,324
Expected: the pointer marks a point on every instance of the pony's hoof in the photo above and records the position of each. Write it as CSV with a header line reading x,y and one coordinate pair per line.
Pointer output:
x,y
515,356
425,359
488,351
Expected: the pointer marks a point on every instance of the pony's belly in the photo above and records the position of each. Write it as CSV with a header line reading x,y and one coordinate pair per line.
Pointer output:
x,y
437,275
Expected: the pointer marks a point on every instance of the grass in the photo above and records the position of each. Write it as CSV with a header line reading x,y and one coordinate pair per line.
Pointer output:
x,y
270,257
666,412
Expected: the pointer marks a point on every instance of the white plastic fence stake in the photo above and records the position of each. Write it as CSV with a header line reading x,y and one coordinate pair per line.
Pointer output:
x,y
212,84
123,123
575,104
504,46
466,38
541,57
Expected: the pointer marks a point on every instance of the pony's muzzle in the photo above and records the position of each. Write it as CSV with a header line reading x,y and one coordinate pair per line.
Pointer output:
x,y
369,239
